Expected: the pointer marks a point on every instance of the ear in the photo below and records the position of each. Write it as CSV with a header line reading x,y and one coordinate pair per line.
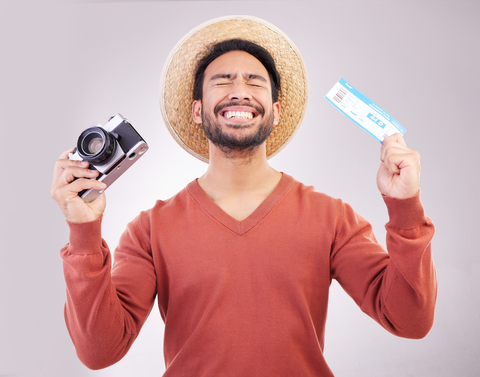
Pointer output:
x,y
276,113
197,111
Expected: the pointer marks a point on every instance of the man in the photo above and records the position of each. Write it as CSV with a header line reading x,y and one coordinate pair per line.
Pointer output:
x,y
242,258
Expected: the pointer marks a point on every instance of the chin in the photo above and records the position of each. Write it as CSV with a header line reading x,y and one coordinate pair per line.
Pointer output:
x,y
233,139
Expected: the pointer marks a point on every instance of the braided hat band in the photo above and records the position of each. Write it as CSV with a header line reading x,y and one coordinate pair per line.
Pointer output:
x,y
178,79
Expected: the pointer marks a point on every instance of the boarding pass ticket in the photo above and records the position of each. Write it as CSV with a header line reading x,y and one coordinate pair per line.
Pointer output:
x,y
366,113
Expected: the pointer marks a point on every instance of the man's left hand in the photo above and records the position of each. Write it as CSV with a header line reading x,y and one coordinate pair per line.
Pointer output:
x,y
399,172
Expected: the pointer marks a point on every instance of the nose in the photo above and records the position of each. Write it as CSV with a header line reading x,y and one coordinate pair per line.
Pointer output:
x,y
240,92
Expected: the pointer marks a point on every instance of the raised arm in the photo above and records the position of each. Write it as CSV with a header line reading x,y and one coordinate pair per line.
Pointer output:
x,y
399,288
105,307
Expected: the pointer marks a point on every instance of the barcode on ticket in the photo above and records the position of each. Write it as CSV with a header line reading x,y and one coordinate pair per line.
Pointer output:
x,y
340,95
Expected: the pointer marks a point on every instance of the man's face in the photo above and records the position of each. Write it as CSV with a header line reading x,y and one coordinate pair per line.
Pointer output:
x,y
236,110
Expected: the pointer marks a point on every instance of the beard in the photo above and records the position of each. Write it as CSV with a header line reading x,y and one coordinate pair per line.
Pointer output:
x,y
230,144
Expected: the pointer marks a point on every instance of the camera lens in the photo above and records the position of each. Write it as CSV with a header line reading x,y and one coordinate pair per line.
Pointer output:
x,y
96,145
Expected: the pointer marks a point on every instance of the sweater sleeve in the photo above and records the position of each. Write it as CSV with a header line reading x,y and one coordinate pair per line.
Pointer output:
x,y
398,289
106,307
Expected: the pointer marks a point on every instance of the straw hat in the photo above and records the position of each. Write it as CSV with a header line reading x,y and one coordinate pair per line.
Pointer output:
x,y
178,76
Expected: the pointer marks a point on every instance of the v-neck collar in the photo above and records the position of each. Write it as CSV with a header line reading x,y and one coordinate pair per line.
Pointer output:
x,y
243,226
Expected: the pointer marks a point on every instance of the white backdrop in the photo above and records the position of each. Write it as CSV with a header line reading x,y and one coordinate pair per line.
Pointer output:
x,y
68,65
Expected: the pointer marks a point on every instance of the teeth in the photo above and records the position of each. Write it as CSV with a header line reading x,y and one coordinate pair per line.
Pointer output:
x,y
238,114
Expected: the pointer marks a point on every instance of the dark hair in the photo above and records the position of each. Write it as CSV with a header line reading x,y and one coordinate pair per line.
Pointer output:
x,y
251,48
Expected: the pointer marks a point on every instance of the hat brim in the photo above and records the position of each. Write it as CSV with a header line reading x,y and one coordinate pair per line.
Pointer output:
x,y
178,78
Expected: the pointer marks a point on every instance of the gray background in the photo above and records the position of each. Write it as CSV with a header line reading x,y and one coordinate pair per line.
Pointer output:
x,y
68,65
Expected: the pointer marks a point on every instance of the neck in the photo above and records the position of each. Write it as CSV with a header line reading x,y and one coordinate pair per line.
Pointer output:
x,y
240,179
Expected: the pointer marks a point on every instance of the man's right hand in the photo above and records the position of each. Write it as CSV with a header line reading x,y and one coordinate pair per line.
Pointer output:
x,y
65,189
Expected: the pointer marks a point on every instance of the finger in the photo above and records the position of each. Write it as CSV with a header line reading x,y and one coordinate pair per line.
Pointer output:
x,y
63,164
393,165
392,140
396,161
86,184
396,138
396,150
392,149
64,176
71,175
68,193
73,172
65,154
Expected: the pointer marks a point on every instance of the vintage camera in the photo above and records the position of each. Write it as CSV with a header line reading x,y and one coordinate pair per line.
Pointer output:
x,y
111,150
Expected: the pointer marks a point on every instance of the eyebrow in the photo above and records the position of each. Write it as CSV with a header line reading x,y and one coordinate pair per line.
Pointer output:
x,y
252,76
229,76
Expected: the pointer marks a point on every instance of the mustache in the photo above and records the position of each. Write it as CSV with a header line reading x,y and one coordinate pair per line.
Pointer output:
x,y
221,106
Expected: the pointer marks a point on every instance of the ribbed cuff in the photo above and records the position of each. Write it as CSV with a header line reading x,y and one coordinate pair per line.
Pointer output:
x,y
405,213
85,238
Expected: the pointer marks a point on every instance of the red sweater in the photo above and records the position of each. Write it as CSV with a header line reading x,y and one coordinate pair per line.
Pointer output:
x,y
246,298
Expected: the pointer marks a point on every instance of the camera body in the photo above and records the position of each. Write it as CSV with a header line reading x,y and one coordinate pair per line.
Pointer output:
x,y
111,150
